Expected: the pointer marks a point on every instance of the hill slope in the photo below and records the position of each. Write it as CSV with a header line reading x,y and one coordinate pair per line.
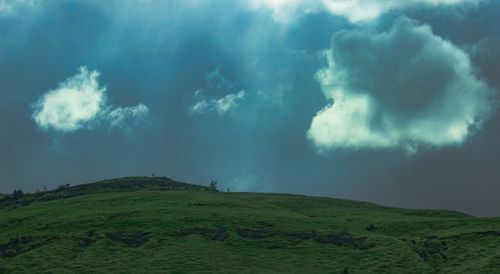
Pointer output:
x,y
157,225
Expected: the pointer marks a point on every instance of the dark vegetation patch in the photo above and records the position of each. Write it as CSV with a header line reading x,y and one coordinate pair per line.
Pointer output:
x,y
217,234
492,265
130,239
122,215
479,234
17,221
437,213
20,245
211,204
15,246
253,234
346,239
430,249
336,238
264,224
90,238
370,227
256,234
433,249
488,233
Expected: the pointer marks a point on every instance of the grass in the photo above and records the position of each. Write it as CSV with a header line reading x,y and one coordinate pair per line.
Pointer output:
x,y
157,225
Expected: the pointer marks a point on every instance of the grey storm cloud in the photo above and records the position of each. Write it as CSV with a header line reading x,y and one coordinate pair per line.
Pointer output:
x,y
400,88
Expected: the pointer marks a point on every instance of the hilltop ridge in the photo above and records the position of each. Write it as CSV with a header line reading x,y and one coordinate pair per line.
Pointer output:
x,y
124,184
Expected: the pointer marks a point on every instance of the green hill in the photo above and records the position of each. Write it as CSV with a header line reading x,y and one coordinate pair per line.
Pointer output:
x,y
157,225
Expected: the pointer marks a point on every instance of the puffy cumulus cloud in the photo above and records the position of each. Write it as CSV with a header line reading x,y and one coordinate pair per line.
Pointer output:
x,y
285,11
399,88
76,101
80,102
220,105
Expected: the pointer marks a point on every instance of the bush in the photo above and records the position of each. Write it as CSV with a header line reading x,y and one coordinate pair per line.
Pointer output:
x,y
17,194
61,187
212,186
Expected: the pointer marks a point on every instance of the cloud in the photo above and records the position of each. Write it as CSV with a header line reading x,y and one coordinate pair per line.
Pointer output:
x,y
401,88
285,11
221,95
74,103
362,10
80,102
228,102
120,116
221,105
9,7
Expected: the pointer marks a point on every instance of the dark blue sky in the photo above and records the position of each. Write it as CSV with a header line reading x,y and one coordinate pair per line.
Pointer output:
x,y
393,102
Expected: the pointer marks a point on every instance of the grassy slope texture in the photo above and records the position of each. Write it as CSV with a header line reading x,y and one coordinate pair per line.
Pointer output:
x,y
157,225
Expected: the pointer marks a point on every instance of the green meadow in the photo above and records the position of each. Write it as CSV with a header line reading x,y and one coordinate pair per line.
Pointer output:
x,y
157,225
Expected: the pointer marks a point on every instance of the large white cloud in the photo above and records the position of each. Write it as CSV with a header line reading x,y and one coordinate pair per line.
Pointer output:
x,y
401,88
80,102
285,11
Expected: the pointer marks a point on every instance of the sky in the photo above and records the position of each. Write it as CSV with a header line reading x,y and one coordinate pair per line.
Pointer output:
x,y
392,102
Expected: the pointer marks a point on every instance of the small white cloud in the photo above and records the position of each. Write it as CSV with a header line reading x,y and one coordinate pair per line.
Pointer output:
x,y
228,102
221,105
73,104
119,116
80,102
201,107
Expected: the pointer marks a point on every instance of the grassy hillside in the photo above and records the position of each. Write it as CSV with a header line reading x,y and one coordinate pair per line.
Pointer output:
x,y
156,225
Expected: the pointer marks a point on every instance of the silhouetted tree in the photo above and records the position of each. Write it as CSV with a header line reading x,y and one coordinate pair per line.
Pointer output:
x,y
17,194
64,186
212,186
